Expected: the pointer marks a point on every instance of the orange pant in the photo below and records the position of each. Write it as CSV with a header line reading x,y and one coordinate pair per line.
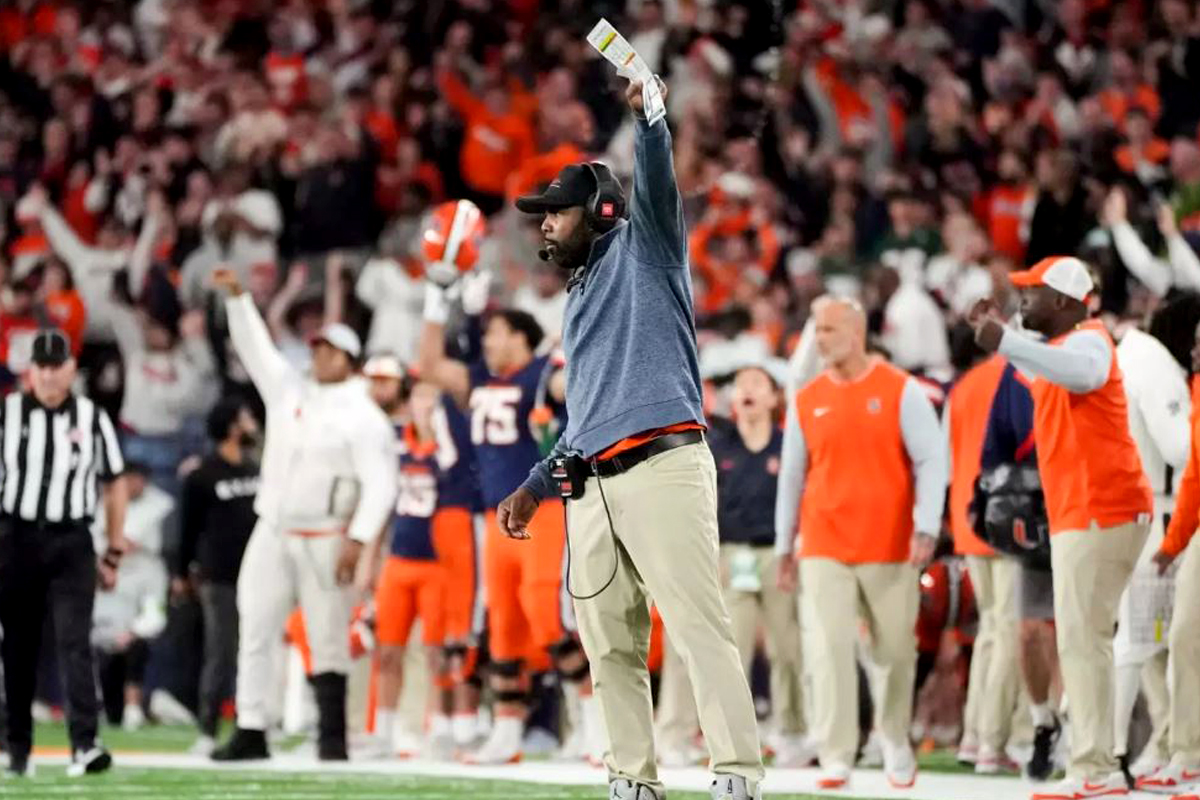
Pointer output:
x,y
454,543
524,585
406,588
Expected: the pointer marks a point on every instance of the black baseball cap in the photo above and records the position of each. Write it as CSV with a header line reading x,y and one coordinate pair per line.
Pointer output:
x,y
51,348
573,186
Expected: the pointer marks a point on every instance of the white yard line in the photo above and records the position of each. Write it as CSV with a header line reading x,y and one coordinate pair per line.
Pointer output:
x,y
864,783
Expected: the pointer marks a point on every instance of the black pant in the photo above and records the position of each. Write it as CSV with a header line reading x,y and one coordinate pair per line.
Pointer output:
x,y
219,603
116,671
47,571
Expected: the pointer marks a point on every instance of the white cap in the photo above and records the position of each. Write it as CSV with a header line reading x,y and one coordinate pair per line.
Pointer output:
x,y
1065,274
384,365
342,337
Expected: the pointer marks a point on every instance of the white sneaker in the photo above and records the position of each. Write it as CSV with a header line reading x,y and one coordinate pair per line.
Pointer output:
x,y
1147,765
502,747
405,743
990,762
900,764
41,712
133,718
968,749
539,742
733,787
872,752
169,711
834,776
203,746
465,729
1171,779
794,750
676,757
1082,788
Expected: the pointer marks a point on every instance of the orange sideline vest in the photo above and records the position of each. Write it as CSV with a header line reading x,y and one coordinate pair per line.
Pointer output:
x,y
970,405
1089,464
858,496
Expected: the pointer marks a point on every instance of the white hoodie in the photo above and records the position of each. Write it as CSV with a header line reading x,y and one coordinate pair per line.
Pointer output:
x,y
329,456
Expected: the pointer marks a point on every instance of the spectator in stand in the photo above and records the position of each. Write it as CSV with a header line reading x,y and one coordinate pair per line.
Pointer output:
x,y
1061,218
1182,267
748,250
1143,156
168,373
20,319
126,620
64,307
1010,206
498,137
216,520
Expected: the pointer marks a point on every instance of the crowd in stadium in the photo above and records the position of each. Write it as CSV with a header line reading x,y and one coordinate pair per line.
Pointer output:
x,y
910,154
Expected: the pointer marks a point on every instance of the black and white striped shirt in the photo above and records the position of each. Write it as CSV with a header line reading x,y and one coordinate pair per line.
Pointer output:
x,y
53,458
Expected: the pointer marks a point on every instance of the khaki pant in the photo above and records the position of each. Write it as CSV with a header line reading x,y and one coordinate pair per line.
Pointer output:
x,y
778,612
994,682
834,595
664,540
1091,569
1184,670
676,724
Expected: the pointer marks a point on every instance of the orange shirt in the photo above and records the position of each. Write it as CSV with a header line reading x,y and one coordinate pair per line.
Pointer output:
x,y
1186,516
1009,212
494,145
970,404
630,442
1117,104
859,491
67,310
1090,468
1156,151
542,168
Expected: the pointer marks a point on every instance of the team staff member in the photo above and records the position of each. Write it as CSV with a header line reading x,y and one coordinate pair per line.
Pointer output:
x,y
864,468
328,484
1097,497
1156,393
747,458
992,686
1182,774
216,520
57,449
635,415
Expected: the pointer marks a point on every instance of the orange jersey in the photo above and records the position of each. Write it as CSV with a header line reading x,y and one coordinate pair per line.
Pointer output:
x,y
969,407
858,495
1186,517
1090,468
1009,211
494,145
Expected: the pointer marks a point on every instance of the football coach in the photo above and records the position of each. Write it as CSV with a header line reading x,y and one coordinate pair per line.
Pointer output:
x,y
642,518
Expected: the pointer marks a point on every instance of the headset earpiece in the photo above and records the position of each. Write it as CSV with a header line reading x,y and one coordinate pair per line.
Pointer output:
x,y
606,206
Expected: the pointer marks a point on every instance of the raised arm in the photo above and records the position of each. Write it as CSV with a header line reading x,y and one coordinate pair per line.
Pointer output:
x,y
657,229
451,376
266,365
1080,364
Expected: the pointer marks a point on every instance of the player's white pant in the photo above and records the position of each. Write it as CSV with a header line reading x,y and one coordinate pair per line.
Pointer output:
x,y
278,570
1140,663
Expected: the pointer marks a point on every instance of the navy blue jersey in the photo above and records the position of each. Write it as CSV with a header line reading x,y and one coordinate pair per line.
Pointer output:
x,y
458,482
412,524
504,445
746,483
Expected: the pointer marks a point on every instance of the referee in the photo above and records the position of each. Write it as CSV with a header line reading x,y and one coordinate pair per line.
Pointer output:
x,y
55,447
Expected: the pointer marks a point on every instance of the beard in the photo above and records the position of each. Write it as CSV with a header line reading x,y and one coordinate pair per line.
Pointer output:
x,y
572,252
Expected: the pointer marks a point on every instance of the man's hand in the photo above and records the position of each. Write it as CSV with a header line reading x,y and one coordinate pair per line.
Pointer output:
x,y
226,280
181,589
633,95
347,561
1163,561
110,562
787,574
514,514
984,317
920,552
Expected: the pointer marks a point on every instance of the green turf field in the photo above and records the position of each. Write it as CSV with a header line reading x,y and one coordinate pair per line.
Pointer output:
x,y
134,783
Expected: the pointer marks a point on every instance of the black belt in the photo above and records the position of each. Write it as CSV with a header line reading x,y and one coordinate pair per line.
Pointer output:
x,y
623,462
